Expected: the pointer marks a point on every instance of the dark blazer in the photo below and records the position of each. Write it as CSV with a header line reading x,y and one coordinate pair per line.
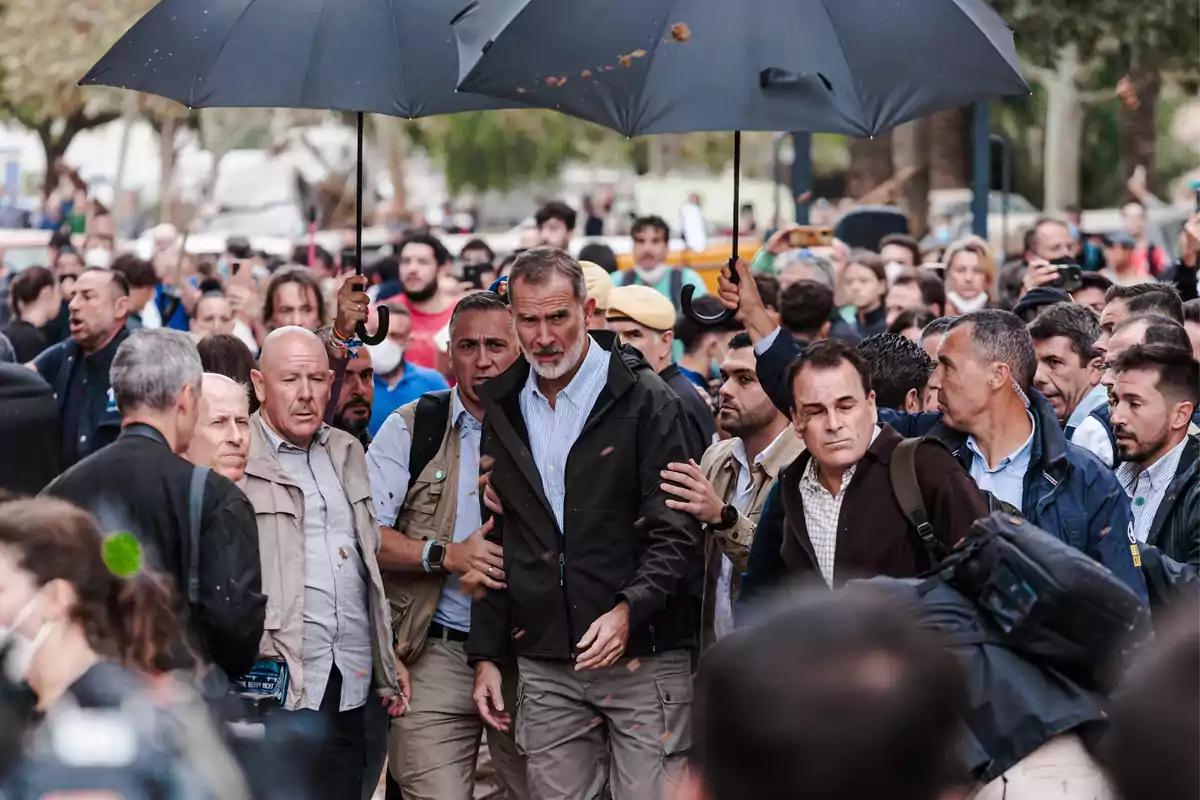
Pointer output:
x,y
621,542
699,423
29,451
873,536
1176,528
138,485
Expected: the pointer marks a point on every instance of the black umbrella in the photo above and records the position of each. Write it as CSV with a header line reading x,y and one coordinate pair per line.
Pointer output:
x,y
660,66
372,56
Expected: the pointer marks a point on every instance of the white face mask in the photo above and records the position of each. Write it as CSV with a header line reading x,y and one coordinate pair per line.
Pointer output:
x,y
23,649
653,275
965,306
386,356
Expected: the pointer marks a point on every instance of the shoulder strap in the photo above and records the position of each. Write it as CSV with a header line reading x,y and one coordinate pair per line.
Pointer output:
x,y
430,421
676,284
907,488
628,278
195,509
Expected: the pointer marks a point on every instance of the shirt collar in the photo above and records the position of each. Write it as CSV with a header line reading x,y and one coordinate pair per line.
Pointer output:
x,y
777,444
1158,475
280,445
810,472
458,412
1095,398
594,360
1021,456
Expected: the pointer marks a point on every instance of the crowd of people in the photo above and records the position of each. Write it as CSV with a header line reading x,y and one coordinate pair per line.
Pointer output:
x,y
539,541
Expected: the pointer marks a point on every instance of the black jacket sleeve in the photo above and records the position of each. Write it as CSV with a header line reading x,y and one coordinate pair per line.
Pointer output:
x,y
489,635
1184,278
765,568
673,551
772,368
231,607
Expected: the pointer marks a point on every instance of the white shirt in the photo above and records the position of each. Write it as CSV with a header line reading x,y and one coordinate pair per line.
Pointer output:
x,y
1091,436
1147,486
822,510
553,431
743,490
387,468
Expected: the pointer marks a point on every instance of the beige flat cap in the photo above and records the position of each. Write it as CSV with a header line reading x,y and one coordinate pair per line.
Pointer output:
x,y
642,304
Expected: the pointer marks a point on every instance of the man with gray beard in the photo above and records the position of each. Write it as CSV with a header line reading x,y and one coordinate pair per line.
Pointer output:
x,y
598,565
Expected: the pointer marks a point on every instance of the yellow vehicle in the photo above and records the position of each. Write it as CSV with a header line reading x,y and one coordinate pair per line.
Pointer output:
x,y
707,262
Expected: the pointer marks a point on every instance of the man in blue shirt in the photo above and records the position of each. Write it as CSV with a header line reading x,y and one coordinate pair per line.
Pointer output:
x,y
398,382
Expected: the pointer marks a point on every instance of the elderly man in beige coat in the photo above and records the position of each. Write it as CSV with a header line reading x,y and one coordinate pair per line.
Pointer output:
x,y
327,641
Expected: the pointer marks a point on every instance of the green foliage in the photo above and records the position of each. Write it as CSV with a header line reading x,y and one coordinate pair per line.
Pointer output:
x,y
502,149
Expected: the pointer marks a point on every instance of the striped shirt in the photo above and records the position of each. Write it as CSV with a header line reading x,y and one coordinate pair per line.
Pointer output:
x,y
553,430
337,618
1146,487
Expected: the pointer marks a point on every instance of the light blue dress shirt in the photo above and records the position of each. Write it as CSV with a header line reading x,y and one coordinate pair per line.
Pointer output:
x,y
1007,480
553,431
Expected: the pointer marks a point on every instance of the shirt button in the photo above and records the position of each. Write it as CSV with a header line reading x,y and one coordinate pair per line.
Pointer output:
x,y
82,439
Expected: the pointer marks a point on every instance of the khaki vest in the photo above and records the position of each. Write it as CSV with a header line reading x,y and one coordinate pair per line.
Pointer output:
x,y
279,510
428,513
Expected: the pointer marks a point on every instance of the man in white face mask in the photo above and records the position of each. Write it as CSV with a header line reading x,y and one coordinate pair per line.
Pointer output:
x,y
398,381
651,244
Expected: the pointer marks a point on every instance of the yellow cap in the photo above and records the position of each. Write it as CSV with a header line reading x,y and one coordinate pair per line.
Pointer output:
x,y
599,283
642,304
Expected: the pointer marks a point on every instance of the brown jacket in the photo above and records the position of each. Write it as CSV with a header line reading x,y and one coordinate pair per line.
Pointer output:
x,y
721,469
279,508
873,536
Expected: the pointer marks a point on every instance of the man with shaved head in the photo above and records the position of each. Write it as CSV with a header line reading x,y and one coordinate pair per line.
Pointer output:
x,y
222,437
328,642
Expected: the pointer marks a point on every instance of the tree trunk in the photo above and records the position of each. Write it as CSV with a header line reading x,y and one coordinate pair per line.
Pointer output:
x,y
949,149
395,150
1136,125
870,163
1064,131
911,149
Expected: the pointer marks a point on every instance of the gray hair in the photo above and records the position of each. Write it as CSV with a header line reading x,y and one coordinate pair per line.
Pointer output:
x,y
152,367
538,264
1002,336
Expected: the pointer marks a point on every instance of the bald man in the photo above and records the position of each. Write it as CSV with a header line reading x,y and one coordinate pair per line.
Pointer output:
x,y
222,437
328,628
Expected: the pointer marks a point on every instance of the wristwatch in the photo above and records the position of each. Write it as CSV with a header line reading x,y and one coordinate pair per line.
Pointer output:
x,y
435,554
729,518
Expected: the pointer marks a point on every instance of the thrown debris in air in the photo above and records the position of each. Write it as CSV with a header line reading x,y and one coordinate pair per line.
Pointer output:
x,y
680,32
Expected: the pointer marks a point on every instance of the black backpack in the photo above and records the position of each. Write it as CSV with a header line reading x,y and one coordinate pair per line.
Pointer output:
x,y
1040,596
630,278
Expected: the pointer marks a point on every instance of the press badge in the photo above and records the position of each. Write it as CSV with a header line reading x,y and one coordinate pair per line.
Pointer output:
x,y
266,680
1133,548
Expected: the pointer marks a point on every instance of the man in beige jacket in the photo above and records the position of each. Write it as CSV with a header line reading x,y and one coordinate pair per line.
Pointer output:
x,y
727,489
327,636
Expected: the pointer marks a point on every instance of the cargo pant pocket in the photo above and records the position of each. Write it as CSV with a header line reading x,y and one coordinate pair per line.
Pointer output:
x,y
675,700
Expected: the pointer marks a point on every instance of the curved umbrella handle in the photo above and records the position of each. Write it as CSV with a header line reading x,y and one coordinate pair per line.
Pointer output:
x,y
685,302
380,332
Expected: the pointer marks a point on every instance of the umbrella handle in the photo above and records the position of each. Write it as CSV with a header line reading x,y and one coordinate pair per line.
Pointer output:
x,y
365,336
685,302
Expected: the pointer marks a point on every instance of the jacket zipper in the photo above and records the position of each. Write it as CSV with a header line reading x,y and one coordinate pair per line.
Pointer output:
x,y
562,584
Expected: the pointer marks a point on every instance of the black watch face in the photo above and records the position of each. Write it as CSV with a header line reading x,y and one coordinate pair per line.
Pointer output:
x,y
436,553
729,516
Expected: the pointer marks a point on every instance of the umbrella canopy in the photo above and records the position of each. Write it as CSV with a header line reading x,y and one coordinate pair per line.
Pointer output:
x,y
374,56
669,66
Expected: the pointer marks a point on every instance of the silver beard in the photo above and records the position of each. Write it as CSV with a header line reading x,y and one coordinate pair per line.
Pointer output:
x,y
569,360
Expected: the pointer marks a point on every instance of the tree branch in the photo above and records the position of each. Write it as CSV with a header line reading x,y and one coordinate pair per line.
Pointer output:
x,y
1096,96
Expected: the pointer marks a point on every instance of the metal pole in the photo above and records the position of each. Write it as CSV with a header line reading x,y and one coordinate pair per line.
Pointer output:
x,y
358,206
1006,188
980,167
737,203
801,174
